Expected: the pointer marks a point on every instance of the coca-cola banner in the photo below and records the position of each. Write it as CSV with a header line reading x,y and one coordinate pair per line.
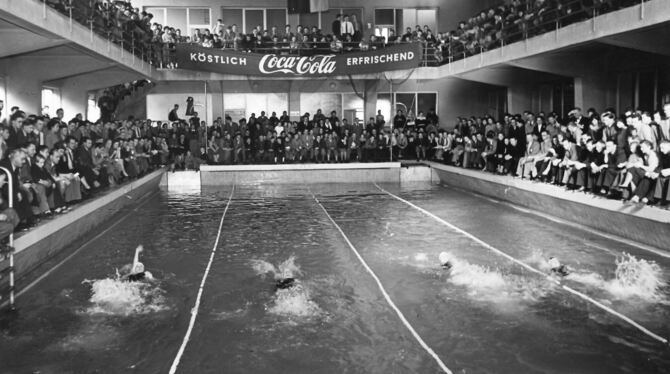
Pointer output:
x,y
404,56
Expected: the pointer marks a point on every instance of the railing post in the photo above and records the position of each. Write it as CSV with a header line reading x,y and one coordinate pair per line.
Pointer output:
x,y
44,10
641,9
593,22
10,189
481,56
70,11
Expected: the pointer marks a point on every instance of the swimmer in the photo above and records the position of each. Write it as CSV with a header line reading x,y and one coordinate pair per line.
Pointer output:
x,y
555,267
284,283
135,272
445,261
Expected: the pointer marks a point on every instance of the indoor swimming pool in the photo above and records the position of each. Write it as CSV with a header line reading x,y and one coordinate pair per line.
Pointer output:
x,y
369,296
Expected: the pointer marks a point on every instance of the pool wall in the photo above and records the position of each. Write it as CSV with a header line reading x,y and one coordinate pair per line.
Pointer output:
x,y
300,174
640,223
39,245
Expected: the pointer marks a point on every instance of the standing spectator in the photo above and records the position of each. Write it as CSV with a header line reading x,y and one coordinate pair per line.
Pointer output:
x,y
337,26
346,28
173,116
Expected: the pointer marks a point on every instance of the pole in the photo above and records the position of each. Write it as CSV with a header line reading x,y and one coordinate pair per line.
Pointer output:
x,y
206,109
10,182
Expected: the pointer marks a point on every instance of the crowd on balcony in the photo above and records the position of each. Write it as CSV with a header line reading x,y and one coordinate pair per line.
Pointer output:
x,y
507,23
56,163
625,156
121,22
517,20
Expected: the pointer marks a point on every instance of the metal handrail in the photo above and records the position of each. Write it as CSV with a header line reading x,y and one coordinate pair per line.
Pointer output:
x,y
537,22
10,182
136,37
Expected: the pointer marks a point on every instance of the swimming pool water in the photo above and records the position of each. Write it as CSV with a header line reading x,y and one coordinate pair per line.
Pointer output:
x,y
487,315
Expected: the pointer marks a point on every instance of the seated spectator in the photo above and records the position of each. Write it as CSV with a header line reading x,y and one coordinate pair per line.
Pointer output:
x,y
526,167
21,198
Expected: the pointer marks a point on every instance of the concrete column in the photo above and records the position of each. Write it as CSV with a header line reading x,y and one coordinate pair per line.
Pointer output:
x,y
371,90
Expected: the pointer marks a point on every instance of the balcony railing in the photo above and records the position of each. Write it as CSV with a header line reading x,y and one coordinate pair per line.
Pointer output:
x,y
134,34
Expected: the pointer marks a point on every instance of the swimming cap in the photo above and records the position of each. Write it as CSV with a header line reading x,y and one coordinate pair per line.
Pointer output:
x,y
444,258
139,268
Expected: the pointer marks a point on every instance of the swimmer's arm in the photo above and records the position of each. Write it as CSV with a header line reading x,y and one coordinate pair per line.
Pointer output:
x,y
138,250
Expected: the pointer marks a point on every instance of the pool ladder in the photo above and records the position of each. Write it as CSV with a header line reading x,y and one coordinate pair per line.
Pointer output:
x,y
7,252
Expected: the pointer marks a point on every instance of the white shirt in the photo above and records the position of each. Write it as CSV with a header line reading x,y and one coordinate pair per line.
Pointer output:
x,y
346,27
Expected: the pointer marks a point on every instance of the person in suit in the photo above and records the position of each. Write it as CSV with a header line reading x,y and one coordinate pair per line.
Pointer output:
x,y
84,164
570,157
9,219
16,124
37,191
20,198
337,26
645,176
42,177
662,188
526,167
69,185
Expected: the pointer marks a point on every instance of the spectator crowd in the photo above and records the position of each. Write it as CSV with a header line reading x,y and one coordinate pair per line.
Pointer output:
x,y
56,163
317,138
625,156
511,21
515,20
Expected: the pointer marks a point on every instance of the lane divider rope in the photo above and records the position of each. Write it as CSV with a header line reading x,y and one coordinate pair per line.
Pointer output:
x,y
404,320
196,307
531,269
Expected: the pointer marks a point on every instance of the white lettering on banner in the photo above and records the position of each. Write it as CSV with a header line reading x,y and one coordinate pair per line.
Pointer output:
x,y
224,60
297,65
380,59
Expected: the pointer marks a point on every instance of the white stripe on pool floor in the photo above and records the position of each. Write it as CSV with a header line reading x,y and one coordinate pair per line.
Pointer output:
x,y
196,307
386,295
531,269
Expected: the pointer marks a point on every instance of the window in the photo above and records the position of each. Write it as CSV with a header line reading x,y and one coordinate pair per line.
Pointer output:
x,y
353,107
50,101
408,102
239,106
324,20
327,102
92,109
184,19
401,19
158,13
247,19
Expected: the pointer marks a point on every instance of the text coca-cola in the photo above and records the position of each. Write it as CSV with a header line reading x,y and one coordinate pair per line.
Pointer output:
x,y
323,64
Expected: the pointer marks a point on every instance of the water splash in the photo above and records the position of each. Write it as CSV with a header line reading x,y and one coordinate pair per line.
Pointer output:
x,y
116,297
294,302
539,259
420,257
286,269
633,278
636,277
489,284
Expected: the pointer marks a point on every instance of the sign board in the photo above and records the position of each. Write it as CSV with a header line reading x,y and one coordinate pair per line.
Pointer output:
x,y
397,57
